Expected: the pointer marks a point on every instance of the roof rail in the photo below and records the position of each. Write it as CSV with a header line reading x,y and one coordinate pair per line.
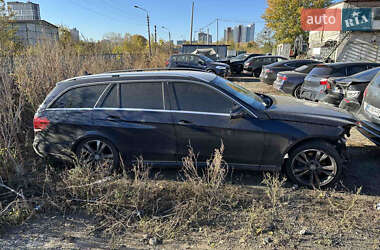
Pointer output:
x,y
152,69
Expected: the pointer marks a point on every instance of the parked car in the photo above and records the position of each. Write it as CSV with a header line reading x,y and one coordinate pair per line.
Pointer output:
x,y
290,82
369,114
316,82
347,92
237,63
269,72
254,65
158,114
198,62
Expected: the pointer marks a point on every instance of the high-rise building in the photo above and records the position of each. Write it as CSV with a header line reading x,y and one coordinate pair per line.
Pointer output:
x,y
240,33
24,11
74,34
204,38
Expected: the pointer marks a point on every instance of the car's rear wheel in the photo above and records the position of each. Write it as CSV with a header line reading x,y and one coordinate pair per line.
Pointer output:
x,y
98,152
315,164
297,92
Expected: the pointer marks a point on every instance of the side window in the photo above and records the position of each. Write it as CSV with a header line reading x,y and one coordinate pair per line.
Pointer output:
x,y
267,60
142,95
356,69
181,59
174,59
199,98
279,59
112,98
81,97
193,60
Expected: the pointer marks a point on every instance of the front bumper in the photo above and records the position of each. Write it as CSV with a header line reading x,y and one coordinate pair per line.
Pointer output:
x,y
369,130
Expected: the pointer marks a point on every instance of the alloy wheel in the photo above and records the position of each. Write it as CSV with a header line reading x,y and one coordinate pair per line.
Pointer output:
x,y
297,92
96,152
314,167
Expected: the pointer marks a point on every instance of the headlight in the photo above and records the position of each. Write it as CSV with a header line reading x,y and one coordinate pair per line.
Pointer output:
x,y
220,67
353,93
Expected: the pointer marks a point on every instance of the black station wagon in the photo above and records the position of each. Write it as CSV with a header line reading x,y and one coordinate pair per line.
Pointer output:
x,y
159,114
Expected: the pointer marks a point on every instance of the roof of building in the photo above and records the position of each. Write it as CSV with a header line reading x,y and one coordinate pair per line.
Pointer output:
x,y
34,22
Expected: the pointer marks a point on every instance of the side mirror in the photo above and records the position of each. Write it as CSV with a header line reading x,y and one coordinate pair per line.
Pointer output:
x,y
238,112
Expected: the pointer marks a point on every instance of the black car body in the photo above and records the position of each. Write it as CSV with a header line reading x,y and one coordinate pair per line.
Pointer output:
x,y
369,114
254,65
200,62
237,63
347,92
158,114
316,82
269,72
290,82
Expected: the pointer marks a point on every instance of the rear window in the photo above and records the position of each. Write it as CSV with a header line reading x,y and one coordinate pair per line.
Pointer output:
x,y
81,97
304,68
321,70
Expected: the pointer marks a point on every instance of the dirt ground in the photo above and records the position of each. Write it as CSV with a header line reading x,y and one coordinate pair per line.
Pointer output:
x,y
76,231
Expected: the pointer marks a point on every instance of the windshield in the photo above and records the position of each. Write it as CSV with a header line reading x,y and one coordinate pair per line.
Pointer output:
x,y
242,93
241,57
206,59
305,68
367,75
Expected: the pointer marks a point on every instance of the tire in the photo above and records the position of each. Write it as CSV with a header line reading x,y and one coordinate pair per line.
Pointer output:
x,y
307,167
98,151
297,92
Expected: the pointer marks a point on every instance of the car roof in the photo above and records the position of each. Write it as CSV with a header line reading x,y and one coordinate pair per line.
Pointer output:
x,y
346,64
142,75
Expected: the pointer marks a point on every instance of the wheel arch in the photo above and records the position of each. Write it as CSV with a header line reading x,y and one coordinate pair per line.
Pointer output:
x,y
331,140
92,134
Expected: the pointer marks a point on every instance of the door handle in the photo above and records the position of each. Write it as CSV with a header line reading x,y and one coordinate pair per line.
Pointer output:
x,y
113,118
184,122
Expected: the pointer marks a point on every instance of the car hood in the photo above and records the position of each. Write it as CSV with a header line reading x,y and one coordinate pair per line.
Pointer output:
x,y
220,64
291,109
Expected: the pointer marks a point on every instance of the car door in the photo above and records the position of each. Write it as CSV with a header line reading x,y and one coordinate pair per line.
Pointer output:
x,y
182,61
196,62
134,115
201,116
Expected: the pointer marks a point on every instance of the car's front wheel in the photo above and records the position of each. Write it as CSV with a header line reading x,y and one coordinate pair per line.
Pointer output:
x,y
98,152
315,164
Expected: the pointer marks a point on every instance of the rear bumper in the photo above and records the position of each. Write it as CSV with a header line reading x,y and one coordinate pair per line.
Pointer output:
x,y
312,95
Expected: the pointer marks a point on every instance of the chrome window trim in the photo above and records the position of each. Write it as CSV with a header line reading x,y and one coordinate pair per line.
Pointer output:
x,y
109,83
163,95
106,90
164,111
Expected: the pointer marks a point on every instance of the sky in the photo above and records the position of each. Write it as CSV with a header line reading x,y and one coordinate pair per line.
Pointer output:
x,y
94,18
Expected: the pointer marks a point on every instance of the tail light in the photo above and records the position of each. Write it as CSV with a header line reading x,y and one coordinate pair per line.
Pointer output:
x,y
40,123
268,70
167,63
365,92
284,78
325,82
